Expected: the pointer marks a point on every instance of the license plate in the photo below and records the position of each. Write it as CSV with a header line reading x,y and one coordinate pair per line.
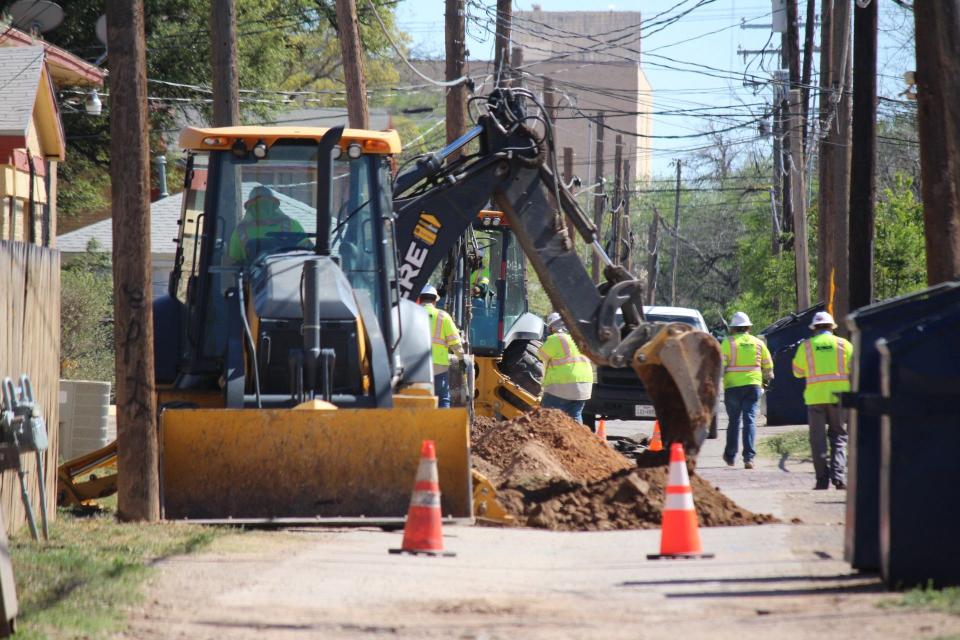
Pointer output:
x,y
644,411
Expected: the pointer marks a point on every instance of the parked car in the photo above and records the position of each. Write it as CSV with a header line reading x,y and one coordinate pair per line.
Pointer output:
x,y
618,394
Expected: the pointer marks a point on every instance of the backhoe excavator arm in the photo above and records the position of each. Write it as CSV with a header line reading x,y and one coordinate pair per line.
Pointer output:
x,y
437,202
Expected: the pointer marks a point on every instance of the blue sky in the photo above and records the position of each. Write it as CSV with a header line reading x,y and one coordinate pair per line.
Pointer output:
x,y
710,35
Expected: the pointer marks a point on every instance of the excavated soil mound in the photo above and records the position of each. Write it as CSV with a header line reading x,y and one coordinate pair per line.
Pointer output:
x,y
552,473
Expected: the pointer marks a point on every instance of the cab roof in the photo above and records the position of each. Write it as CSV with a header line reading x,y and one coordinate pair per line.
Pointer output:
x,y
217,138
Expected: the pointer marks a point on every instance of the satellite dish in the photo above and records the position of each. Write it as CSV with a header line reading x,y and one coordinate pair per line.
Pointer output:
x,y
36,15
102,29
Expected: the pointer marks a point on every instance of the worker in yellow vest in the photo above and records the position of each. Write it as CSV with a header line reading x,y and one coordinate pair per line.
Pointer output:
x,y
747,368
568,374
824,360
444,338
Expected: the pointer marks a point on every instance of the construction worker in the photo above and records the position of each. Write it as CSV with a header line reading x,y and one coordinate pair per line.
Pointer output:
x,y
747,368
568,375
824,360
444,338
262,217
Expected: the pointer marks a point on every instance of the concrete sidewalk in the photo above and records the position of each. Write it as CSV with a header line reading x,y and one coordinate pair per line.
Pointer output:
x,y
786,580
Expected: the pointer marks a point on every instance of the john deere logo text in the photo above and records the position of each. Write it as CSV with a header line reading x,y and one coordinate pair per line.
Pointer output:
x,y
427,228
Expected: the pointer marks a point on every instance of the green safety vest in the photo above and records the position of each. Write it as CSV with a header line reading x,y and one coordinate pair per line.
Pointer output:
x,y
563,361
824,360
443,335
745,360
257,227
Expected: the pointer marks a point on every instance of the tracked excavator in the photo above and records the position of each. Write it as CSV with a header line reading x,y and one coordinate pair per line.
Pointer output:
x,y
293,369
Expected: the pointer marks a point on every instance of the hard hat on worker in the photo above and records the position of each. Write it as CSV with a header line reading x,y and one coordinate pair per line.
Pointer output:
x,y
740,319
822,319
261,191
554,320
429,291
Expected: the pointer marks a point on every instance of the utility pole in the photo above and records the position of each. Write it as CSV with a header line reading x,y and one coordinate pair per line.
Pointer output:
x,y
862,178
775,227
516,61
615,237
834,165
226,78
138,484
653,253
937,27
792,50
798,195
805,79
351,51
456,55
627,231
676,240
598,200
567,165
549,105
501,54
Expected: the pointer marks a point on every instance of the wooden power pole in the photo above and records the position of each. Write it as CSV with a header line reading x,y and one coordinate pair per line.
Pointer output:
x,y
675,259
516,61
567,164
226,77
938,81
834,164
615,231
598,200
799,205
351,51
501,53
653,252
456,56
862,178
627,190
138,486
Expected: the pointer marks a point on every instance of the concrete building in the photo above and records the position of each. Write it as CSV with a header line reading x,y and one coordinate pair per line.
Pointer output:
x,y
593,59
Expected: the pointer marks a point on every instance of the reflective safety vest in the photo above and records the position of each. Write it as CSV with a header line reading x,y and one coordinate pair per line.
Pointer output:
x,y
745,360
443,337
259,228
563,361
824,360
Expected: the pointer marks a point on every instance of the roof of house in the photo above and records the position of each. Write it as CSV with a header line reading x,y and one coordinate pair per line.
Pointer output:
x,y
21,69
164,214
66,68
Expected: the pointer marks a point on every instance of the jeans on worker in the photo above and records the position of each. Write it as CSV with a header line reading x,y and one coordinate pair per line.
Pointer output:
x,y
573,408
441,387
827,422
741,403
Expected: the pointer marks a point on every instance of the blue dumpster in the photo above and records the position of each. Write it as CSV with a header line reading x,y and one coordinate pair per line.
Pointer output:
x,y
785,394
867,325
919,441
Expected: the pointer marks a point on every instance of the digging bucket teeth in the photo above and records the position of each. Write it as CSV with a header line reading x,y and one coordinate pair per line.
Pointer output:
x,y
272,464
681,370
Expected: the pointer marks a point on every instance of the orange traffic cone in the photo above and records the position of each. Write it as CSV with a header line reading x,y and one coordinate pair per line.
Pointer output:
x,y
422,532
656,443
602,430
679,534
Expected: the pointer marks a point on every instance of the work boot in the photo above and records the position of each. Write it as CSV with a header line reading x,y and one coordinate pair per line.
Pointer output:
x,y
729,461
840,484
748,464
822,485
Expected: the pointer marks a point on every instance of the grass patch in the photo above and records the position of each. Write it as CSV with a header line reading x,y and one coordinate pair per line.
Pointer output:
x,y
77,584
792,444
946,600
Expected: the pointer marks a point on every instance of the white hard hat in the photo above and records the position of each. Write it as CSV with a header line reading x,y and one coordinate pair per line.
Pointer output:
x,y
821,318
430,290
553,319
740,319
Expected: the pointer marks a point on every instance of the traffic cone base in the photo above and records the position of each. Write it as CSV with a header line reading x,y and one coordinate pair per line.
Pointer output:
x,y
602,430
422,533
679,533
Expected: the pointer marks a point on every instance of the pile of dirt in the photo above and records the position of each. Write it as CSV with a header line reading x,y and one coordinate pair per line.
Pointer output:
x,y
552,473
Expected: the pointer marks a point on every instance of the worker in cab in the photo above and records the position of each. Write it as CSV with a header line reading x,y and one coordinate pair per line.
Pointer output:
x,y
824,360
444,339
568,374
747,369
261,224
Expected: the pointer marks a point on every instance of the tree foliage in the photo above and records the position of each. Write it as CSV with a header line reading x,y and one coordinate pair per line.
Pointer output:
x,y
86,327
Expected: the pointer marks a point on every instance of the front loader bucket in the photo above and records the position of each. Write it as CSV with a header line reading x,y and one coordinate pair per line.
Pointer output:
x,y
681,369
340,465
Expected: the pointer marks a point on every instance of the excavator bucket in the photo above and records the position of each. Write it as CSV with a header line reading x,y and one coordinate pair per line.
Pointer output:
x,y
337,466
681,369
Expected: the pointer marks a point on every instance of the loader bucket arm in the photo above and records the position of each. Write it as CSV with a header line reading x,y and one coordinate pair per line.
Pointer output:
x,y
436,203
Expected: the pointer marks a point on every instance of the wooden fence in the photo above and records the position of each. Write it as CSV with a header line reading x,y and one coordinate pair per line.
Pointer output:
x,y
30,344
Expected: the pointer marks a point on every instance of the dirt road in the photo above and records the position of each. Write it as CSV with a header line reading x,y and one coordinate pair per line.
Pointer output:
x,y
785,581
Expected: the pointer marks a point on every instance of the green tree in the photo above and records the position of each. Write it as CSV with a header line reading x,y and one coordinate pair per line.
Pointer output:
x,y
900,264
86,329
